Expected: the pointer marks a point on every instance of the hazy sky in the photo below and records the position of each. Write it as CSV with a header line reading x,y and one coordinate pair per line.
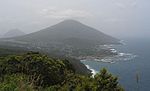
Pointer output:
x,y
127,18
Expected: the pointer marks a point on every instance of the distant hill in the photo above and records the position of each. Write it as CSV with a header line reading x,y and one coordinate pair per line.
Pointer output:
x,y
13,33
70,32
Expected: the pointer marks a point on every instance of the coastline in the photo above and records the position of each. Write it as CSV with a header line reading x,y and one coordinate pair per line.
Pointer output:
x,y
92,70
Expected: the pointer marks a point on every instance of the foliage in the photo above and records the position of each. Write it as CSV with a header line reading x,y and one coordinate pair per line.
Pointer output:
x,y
35,72
102,81
49,71
16,82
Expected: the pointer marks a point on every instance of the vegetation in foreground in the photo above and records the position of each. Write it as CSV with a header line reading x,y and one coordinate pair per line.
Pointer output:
x,y
36,72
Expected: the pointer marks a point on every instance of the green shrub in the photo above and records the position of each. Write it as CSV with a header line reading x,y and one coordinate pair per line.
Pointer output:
x,y
35,72
16,82
48,71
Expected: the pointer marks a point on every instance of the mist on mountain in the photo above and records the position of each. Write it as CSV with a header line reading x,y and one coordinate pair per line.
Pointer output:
x,y
13,33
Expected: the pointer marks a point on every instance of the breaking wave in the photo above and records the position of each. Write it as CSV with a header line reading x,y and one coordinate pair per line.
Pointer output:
x,y
92,70
119,57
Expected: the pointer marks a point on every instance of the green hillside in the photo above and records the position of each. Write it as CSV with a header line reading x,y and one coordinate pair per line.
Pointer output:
x,y
36,72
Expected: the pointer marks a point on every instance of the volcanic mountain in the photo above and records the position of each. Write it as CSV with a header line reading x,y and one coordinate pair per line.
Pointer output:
x,y
69,32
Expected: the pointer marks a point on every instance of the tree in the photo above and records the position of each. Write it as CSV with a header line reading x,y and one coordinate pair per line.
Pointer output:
x,y
37,72
104,81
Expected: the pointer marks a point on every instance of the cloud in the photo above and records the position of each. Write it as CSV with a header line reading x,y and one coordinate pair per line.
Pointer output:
x,y
120,5
125,3
64,13
112,20
133,4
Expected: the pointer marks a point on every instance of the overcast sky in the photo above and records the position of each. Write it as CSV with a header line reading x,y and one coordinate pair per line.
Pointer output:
x,y
127,18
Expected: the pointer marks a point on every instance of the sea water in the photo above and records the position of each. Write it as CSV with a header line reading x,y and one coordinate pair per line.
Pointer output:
x,y
134,60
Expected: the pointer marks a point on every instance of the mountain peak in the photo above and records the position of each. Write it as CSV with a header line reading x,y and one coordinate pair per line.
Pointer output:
x,y
70,21
70,32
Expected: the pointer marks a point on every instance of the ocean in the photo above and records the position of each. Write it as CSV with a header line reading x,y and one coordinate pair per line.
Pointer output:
x,y
134,61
